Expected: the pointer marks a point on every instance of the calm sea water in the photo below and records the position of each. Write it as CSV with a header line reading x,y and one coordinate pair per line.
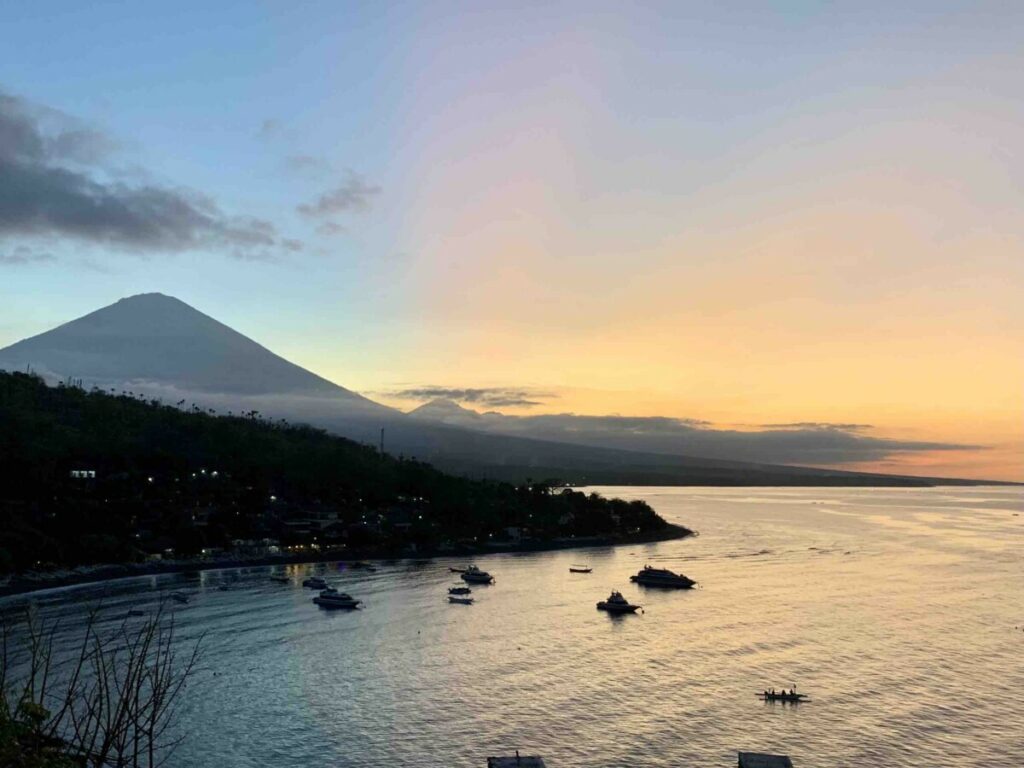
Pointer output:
x,y
899,611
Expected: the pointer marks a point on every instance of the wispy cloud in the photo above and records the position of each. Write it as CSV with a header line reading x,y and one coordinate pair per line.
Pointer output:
x,y
55,182
309,165
491,397
353,196
270,128
22,254
818,425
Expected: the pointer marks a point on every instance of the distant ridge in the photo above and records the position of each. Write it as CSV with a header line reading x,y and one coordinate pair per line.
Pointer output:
x,y
153,339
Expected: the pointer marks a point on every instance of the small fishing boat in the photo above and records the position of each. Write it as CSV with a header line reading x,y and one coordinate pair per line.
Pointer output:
x,y
474,575
453,569
662,577
616,603
332,598
459,590
315,582
460,600
791,697
580,569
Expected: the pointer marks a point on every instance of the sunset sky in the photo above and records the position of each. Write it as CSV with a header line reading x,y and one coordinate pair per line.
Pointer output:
x,y
810,214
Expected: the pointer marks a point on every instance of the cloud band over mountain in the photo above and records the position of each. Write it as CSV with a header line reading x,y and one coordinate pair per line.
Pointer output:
x,y
805,443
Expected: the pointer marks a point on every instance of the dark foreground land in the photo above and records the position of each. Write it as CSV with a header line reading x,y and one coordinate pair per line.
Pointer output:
x,y
91,478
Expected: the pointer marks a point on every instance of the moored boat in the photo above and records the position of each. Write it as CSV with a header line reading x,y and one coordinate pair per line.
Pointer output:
x,y
460,600
580,569
474,575
315,582
662,577
616,603
453,569
179,597
332,598
280,579
459,590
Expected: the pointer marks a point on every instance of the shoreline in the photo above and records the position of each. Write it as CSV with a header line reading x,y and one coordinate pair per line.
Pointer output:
x,y
29,583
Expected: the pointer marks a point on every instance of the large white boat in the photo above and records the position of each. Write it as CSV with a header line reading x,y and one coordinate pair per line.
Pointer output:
x,y
474,575
332,598
616,603
662,577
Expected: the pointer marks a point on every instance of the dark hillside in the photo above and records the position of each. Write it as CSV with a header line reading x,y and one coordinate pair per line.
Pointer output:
x,y
168,481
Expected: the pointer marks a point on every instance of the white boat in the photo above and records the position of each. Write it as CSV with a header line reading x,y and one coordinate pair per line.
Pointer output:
x,y
474,575
460,600
315,582
662,577
616,603
332,598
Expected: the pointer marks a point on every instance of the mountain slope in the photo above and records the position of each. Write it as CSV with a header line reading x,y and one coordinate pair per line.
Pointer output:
x,y
156,339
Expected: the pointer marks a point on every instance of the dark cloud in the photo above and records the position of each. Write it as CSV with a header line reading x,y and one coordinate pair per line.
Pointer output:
x,y
41,134
354,195
53,184
491,397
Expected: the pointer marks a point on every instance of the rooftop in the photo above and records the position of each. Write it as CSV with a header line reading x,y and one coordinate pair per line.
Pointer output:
x,y
516,761
762,760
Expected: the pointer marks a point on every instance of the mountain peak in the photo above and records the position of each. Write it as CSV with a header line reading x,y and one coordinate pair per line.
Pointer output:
x,y
153,297
441,406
